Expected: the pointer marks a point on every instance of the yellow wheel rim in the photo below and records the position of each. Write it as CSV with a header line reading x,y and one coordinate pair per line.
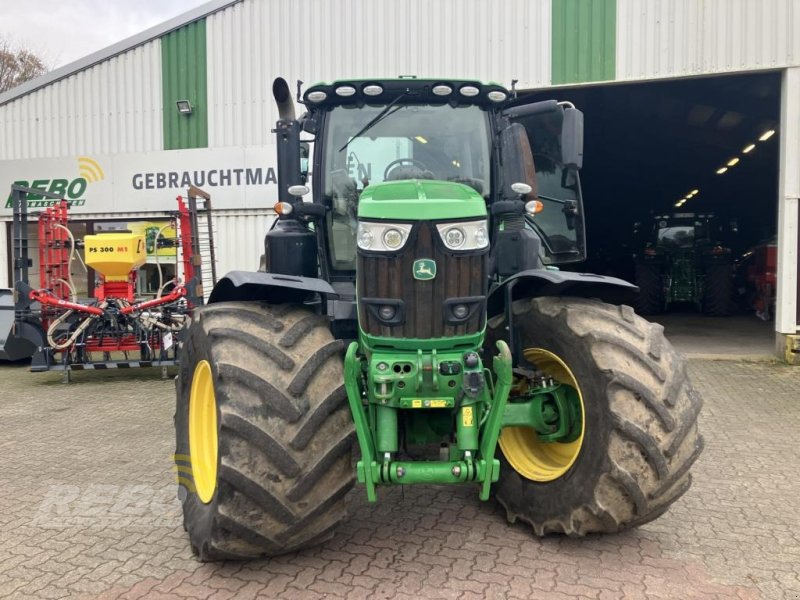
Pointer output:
x,y
531,458
203,432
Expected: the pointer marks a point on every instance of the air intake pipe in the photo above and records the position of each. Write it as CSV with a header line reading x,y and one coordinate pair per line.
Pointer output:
x,y
287,134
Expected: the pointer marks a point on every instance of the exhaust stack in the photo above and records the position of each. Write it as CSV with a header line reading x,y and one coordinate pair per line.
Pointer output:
x,y
287,134
283,98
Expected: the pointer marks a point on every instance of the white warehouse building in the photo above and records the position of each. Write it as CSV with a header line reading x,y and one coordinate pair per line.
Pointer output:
x,y
108,133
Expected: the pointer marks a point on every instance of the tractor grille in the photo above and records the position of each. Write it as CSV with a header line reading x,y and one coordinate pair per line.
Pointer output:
x,y
423,302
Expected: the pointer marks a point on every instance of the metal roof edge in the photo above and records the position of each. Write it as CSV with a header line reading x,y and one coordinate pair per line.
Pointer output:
x,y
130,43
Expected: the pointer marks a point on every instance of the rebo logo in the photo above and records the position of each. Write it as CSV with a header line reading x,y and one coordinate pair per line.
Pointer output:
x,y
72,190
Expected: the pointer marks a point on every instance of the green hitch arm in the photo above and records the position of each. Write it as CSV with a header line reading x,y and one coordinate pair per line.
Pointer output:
x,y
503,365
352,375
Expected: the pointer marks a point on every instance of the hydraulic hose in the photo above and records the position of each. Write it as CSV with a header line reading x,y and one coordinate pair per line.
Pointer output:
x,y
75,334
70,283
161,283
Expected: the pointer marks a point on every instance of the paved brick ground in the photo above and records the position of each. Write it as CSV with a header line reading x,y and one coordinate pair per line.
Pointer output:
x,y
88,510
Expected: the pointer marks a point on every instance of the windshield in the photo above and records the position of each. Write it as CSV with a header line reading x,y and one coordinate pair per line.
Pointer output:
x,y
676,237
407,142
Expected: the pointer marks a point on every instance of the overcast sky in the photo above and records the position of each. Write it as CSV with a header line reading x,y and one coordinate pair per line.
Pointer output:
x,y
62,31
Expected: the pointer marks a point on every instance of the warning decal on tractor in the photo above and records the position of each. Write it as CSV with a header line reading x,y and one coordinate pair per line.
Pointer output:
x,y
466,416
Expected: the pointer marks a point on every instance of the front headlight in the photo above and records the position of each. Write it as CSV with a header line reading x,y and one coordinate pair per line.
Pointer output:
x,y
467,235
382,237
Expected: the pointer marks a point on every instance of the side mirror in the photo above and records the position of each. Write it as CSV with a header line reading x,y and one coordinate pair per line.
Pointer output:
x,y
517,161
572,138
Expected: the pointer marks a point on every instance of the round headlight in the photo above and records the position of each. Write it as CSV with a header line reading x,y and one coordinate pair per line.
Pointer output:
x,y
454,238
373,90
364,237
345,90
316,96
387,312
460,311
481,237
496,96
393,238
442,90
469,90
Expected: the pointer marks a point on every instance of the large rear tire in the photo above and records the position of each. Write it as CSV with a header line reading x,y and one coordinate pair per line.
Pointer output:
x,y
639,434
719,290
650,300
263,431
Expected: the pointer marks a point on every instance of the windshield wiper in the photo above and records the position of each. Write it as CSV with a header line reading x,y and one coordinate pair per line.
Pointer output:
x,y
377,118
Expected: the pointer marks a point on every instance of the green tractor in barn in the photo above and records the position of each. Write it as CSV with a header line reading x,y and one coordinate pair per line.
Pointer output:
x,y
683,261
413,307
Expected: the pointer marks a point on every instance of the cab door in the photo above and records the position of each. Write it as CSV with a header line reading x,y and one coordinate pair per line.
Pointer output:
x,y
555,134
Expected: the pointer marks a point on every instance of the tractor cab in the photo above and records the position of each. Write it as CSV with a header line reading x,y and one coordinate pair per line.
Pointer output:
x,y
474,140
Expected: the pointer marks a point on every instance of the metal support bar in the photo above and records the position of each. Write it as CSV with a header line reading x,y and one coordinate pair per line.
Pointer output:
x,y
176,294
352,376
787,318
513,342
503,370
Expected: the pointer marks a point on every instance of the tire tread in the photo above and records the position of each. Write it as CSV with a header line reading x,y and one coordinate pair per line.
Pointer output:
x,y
284,443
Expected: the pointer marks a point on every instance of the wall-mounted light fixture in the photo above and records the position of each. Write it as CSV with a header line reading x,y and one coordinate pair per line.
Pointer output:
x,y
184,107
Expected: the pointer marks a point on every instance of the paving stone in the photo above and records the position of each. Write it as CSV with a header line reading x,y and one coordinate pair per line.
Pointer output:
x,y
88,510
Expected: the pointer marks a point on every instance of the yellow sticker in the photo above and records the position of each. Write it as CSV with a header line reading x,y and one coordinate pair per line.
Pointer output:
x,y
416,404
438,403
466,416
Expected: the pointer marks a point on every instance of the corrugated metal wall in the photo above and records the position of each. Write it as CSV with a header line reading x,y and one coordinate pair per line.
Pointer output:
x,y
239,238
584,36
665,38
251,43
112,107
184,77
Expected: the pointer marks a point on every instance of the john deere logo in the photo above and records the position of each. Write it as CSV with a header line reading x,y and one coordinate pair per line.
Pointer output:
x,y
424,269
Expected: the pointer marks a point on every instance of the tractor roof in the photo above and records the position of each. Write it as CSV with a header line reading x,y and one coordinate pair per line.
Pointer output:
x,y
413,91
678,216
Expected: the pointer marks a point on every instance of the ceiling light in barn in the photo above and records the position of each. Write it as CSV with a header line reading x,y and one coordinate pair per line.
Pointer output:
x,y
721,170
748,148
694,192
733,162
766,135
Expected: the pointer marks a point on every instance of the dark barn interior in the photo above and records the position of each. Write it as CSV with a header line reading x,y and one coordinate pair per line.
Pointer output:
x,y
649,145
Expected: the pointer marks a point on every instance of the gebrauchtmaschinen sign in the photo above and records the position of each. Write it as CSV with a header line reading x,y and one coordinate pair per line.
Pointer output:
x,y
242,177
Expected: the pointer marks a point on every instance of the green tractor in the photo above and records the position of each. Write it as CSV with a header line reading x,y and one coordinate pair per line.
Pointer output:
x,y
413,308
683,261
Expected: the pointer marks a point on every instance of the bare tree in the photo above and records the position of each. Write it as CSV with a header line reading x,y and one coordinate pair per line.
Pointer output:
x,y
18,65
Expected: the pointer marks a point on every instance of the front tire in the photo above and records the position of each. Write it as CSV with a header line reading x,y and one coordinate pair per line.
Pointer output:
x,y
640,420
263,432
